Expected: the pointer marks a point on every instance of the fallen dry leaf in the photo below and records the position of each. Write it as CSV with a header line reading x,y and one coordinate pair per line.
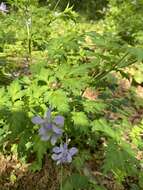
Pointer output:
x,y
139,91
90,94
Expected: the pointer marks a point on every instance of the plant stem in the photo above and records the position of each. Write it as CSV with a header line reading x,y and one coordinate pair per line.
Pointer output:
x,y
56,5
29,39
103,74
28,20
61,178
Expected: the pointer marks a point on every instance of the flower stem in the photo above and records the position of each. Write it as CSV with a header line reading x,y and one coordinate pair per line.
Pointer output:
x,y
61,178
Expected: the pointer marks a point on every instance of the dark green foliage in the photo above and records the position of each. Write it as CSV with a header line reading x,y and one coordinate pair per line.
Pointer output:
x,y
92,9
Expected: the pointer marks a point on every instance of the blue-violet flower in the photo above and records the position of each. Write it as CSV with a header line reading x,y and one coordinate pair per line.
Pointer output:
x,y
62,154
51,128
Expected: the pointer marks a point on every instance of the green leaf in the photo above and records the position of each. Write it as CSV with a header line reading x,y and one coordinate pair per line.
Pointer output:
x,y
4,98
97,187
18,104
74,84
44,75
77,182
120,160
80,119
67,186
2,133
141,179
35,166
59,100
18,122
15,91
80,160
138,77
94,106
104,127
137,52
40,147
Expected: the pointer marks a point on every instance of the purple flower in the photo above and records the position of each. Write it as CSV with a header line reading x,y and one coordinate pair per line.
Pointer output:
x,y
51,129
3,7
62,154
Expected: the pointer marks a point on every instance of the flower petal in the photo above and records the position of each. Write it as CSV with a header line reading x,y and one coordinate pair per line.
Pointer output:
x,y
65,146
57,156
42,131
59,120
57,149
54,139
57,130
45,137
73,151
37,120
48,114
54,156
48,126
69,158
